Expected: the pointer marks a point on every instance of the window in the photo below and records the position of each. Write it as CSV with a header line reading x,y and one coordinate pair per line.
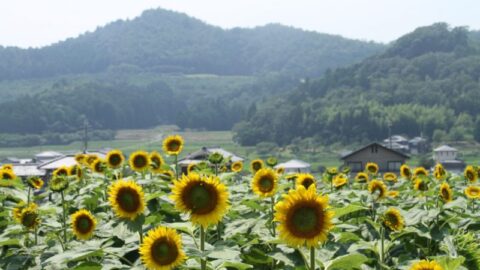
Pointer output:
x,y
355,166
374,148
394,166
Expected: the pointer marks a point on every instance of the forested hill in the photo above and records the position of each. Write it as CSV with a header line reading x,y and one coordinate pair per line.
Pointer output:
x,y
169,42
427,82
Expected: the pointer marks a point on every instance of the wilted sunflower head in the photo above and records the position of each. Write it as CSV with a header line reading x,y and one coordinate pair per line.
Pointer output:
x,y
446,192
99,166
340,180
377,187
83,224
272,161
162,249
393,220
139,161
58,183
75,170
205,198
256,165
371,168
173,145
390,177
420,172
7,174
426,265
420,184
8,167
156,162
35,182
439,173
264,182
126,198
29,216
303,217
472,192
62,171
305,179
115,159
237,166
362,177
215,158
470,174
405,172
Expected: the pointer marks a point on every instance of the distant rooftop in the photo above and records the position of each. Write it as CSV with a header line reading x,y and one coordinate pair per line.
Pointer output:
x,y
445,148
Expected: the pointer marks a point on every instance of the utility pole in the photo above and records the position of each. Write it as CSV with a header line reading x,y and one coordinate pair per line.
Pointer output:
x,y
85,136
390,133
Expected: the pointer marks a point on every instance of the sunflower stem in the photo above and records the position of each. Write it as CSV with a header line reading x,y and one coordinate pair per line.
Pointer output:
x,y
272,215
176,167
312,258
36,236
28,196
64,218
140,233
202,247
382,246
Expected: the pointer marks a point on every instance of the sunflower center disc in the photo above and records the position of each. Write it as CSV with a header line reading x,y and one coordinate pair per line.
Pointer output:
x,y
307,182
128,201
163,252
201,199
392,219
266,184
29,220
115,160
305,219
83,224
173,146
445,194
140,161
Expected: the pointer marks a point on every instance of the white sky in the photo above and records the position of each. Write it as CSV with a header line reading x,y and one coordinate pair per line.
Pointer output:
x,y
33,23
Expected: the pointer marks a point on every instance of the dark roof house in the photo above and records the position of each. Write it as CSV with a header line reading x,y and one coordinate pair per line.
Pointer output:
x,y
388,160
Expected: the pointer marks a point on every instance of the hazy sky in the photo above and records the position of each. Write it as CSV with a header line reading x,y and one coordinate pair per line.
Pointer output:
x,y
36,23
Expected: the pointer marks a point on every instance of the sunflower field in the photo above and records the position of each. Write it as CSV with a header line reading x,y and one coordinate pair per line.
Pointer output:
x,y
146,213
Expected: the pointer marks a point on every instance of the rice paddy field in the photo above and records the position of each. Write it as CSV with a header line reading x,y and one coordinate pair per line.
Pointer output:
x,y
140,213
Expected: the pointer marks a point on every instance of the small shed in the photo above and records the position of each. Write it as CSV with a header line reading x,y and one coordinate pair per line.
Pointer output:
x,y
448,157
295,166
388,160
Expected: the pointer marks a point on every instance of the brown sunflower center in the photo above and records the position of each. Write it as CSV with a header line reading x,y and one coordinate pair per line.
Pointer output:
x,y
115,160
236,167
156,163
305,220
62,172
422,186
83,224
99,167
201,198
372,169
307,182
256,166
470,175
445,194
128,199
391,219
29,219
7,176
164,251
173,146
474,192
140,161
265,184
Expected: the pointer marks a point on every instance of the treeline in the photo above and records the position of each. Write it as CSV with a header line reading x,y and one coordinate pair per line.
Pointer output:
x,y
49,138
426,83
168,42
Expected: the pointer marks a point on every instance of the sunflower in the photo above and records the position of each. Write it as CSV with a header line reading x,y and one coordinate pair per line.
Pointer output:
x,y
173,145
139,161
35,182
361,177
237,166
17,211
162,249
264,183
446,192
89,159
115,159
127,199
377,186
305,179
75,170
405,172
272,161
426,265
80,158
205,198
473,192
83,224
58,183
29,216
156,162
392,193
99,166
256,165
303,217
420,171
8,167
390,177
167,174
215,158
371,168
346,170
420,184
62,171
191,168
470,174
393,219
291,177
439,172
340,180
280,170
7,174
332,171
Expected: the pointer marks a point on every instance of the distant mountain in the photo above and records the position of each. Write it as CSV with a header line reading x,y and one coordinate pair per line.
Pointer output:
x,y
426,82
169,42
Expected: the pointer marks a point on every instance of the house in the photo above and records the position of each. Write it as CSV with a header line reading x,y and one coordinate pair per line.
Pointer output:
x,y
388,160
47,156
294,166
418,145
65,161
448,157
203,154
28,170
